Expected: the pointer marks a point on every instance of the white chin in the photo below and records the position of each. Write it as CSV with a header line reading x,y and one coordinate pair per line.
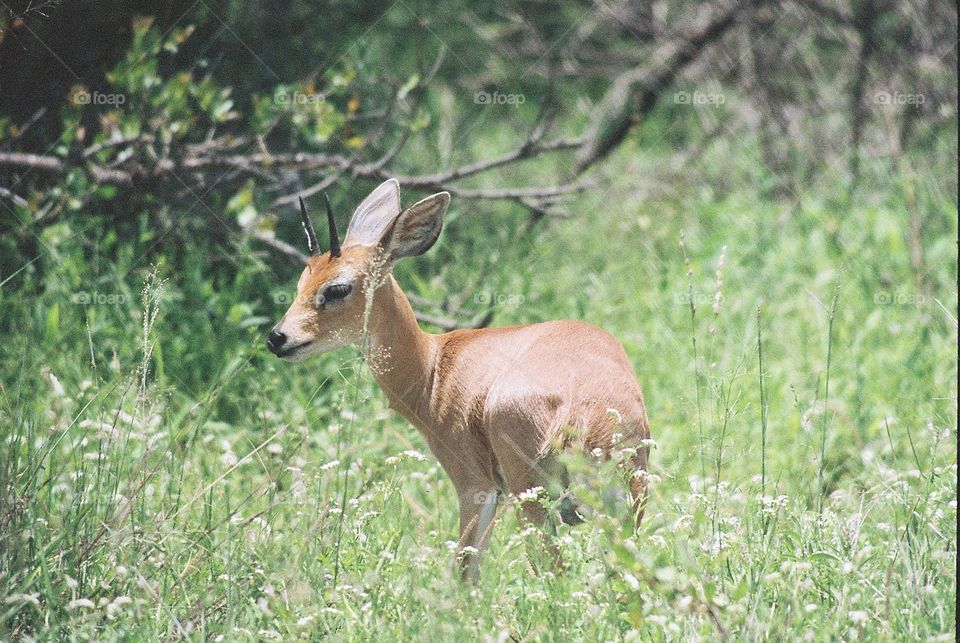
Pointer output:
x,y
309,350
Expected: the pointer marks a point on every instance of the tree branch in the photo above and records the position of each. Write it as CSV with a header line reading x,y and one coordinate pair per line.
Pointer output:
x,y
634,93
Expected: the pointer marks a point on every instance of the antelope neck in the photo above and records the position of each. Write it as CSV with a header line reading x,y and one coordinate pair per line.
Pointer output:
x,y
401,355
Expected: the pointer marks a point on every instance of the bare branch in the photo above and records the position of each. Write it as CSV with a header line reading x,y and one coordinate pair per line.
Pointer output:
x,y
635,92
283,247
16,198
33,161
523,152
520,193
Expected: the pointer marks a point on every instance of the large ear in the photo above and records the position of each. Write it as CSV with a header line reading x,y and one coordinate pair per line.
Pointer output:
x,y
417,227
373,217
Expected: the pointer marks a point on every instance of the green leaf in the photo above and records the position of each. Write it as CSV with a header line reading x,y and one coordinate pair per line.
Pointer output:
x,y
107,192
241,206
53,319
405,89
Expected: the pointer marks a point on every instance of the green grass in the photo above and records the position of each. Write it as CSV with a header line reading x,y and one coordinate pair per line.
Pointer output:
x,y
163,476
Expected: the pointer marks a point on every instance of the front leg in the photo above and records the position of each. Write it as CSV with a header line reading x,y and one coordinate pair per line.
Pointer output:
x,y
478,508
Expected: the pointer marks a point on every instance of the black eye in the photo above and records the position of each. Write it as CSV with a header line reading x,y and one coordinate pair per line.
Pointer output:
x,y
336,292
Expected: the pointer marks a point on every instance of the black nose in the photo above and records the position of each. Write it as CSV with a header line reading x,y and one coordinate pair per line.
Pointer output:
x,y
275,341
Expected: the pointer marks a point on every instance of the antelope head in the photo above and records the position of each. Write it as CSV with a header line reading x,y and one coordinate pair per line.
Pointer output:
x,y
331,296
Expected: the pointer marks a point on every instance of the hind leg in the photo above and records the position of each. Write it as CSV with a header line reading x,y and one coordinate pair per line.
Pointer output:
x,y
532,512
523,473
637,476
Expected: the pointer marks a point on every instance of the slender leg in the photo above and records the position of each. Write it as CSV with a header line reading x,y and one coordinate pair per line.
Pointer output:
x,y
533,513
638,483
478,508
524,470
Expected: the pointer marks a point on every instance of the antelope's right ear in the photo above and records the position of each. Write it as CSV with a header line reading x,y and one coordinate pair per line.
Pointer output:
x,y
417,228
373,217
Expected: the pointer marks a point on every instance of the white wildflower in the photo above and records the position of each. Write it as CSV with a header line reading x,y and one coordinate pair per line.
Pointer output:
x,y
105,429
22,598
772,505
306,620
646,476
116,605
53,381
858,617
77,603
263,523
632,581
530,494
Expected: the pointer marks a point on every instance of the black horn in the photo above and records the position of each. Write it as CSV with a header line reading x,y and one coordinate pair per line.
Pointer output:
x,y
334,237
312,244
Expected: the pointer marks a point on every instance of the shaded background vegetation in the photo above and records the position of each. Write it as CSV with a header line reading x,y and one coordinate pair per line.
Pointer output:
x,y
718,184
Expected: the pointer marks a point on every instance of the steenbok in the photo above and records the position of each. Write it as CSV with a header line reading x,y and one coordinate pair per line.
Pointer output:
x,y
494,405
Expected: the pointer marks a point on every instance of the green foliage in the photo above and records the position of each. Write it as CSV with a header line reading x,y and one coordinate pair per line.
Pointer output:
x,y
198,491
163,476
